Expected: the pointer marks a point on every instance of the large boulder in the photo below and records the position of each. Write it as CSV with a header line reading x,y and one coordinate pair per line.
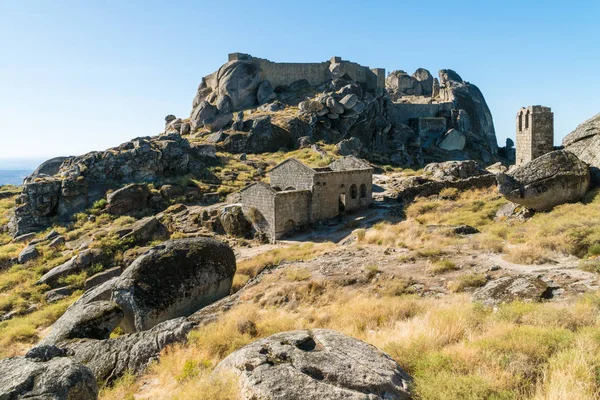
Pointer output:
x,y
47,168
173,279
80,262
584,142
555,178
239,80
95,320
29,253
46,374
129,199
453,140
467,97
512,288
454,170
202,112
425,79
403,84
234,222
318,364
349,147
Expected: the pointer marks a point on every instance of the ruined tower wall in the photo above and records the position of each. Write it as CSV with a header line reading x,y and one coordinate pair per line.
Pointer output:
x,y
535,133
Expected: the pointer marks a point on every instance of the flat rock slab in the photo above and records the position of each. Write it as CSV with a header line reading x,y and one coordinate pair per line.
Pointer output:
x,y
318,364
511,288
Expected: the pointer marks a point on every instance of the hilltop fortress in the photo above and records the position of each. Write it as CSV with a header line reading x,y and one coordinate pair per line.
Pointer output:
x,y
253,105
407,119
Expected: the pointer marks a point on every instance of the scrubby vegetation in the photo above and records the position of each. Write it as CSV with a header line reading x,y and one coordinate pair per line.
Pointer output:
x,y
454,349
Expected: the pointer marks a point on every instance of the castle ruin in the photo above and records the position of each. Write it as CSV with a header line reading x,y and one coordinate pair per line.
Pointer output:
x,y
299,196
535,133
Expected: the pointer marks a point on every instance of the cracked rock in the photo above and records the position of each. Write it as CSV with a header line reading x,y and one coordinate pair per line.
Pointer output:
x,y
318,364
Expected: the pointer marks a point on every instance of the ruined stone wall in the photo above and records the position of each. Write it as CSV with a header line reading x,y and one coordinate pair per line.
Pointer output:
x,y
263,199
535,133
402,113
330,187
280,74
292,175
291,211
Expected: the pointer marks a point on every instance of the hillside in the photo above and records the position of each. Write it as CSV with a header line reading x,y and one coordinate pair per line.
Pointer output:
x,y
312,230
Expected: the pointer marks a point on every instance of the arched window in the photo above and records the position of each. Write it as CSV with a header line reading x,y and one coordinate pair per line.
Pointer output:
x,y
290,188
527,120
520,121
363,191
353,192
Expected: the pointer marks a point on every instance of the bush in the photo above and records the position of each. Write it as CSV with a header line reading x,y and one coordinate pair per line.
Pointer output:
x,y
441,266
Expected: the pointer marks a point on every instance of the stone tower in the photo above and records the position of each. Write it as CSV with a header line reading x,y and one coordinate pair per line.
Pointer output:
x,y
535,133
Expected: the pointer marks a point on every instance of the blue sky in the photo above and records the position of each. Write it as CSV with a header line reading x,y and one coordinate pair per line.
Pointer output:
x,y
77,76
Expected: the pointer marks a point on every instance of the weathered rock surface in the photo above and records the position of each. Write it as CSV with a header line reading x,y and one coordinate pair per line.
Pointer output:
x,y
454,170
85,179
129,199
102,277
453,140
234,221
318,364
109,359
78,263
46,374
584,142
29,253
48,168
555,178
173,279
95,320
349,147
511,288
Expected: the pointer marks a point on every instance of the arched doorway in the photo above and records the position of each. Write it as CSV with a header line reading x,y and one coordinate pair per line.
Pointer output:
x,y
353,192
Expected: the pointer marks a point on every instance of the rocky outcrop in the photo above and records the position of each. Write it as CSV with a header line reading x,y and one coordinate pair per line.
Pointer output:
x,y
512,288
454,170
584,142
466,96
46,373
80,262
47,168
234,221
555,178
318,364
461,175
164,284
173,279
83,180
129,199
347,102
95,320
29,253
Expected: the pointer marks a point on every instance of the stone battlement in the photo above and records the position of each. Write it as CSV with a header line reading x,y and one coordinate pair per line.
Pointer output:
x,y
282,74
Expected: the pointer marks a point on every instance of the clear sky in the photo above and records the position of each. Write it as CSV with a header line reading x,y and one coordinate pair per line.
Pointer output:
x,y
77,76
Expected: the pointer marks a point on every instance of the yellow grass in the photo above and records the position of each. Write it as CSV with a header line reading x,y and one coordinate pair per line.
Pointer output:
x,y
453,348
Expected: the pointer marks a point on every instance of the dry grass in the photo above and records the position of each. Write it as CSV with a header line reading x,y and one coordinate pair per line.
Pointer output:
x,y
298,252
441,266
453,348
